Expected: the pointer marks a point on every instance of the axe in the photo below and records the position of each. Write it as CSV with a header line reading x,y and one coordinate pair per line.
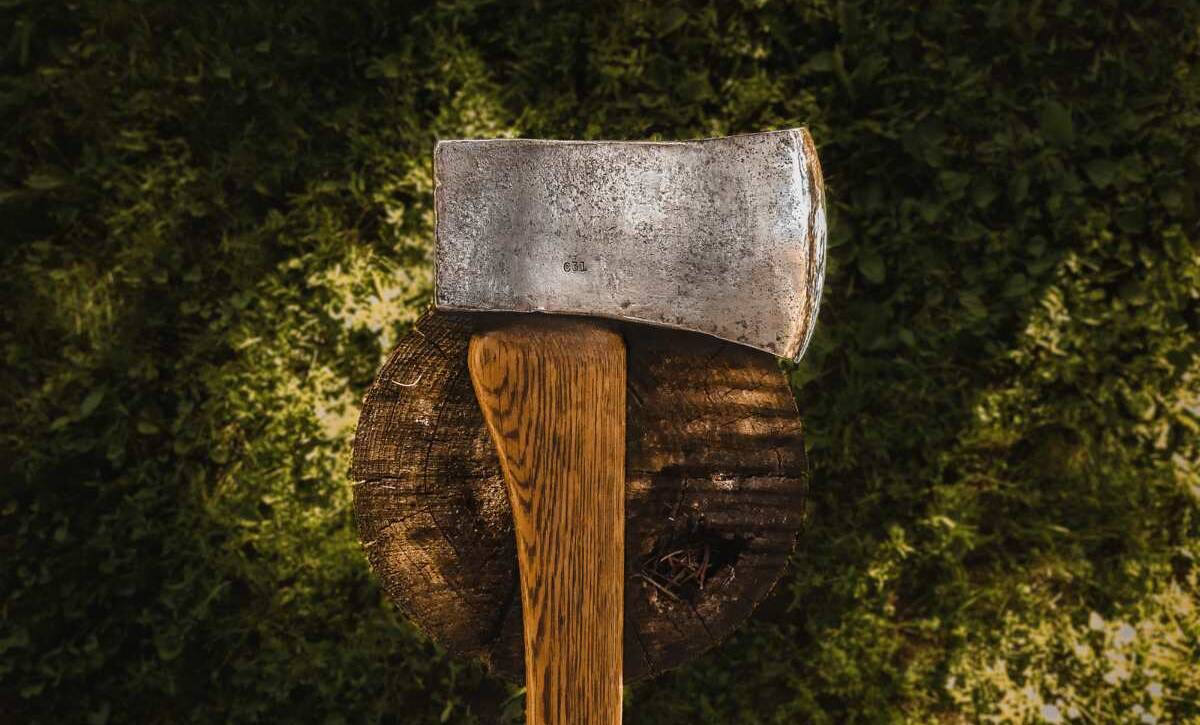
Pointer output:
x,y
724,237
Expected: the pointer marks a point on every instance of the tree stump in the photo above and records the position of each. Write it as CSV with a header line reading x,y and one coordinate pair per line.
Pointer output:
x,y
716,479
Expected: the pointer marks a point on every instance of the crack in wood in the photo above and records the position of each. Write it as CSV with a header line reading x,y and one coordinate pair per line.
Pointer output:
x,y
686,454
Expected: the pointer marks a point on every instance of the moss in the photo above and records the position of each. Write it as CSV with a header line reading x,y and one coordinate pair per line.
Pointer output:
x,y
216,219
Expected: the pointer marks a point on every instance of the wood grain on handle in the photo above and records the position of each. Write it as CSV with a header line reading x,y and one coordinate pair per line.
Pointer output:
x,y
552,392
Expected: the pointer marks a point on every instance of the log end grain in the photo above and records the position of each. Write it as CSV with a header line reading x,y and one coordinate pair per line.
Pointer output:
x,y
715,487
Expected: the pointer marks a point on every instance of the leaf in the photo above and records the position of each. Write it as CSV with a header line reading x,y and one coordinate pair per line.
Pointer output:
x,y
168,645
1138,404
973,304
804,374
100,715
1056,123
983,192
672,19
1018,187
953,182
870,264
1131,220
869,69
1101,172
90,403
19,638
1016,286
46,179
926,141
819,63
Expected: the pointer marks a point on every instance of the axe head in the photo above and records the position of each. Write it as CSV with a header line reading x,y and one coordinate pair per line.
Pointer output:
x,y
724,236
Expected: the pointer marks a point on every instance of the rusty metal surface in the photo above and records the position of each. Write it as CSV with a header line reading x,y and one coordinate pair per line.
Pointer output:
x,y
723,236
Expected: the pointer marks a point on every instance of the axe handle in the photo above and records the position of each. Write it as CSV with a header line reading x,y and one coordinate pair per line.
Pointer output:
x,y
552,391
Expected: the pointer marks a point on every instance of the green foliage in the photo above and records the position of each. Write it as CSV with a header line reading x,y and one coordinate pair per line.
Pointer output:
x,y
217,219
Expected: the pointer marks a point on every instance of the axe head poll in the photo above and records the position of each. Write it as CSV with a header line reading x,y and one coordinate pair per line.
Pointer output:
x,y
723,236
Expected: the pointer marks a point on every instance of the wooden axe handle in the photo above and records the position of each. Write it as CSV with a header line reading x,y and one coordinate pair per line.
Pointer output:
x,y
553,396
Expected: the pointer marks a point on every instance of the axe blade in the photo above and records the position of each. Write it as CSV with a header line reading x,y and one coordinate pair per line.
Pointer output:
x,y
722,236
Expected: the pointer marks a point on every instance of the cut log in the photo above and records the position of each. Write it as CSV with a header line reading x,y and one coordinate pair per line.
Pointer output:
x,y
715,487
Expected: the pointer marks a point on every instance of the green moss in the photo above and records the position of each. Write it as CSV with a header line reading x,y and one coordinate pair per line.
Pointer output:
x,y
216,219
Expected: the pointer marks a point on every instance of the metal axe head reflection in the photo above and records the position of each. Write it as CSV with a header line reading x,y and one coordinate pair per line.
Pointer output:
x,y
723,236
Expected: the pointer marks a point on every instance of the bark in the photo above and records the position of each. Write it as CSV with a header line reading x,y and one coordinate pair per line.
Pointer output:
x,y
715,486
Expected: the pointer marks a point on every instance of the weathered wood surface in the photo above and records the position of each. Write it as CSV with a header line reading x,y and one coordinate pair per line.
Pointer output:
x,y
552,392
714,494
